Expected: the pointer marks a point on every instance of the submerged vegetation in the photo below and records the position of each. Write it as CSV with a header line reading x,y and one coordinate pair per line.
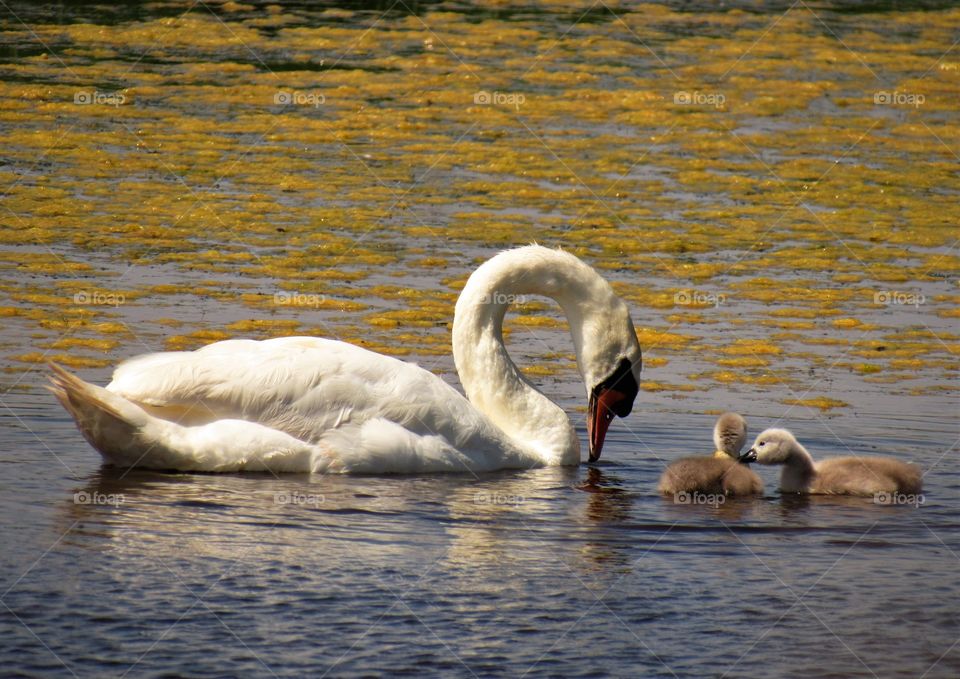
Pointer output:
x,y
775,195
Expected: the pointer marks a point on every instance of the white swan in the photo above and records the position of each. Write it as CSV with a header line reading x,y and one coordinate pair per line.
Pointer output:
x,y
304,404
851,475
722,473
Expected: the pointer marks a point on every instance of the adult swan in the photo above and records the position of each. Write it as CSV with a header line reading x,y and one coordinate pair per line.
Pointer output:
x,y
304,404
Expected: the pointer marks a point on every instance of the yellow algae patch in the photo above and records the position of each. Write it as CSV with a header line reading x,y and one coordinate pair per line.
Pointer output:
x,y
793,312
789,325
416,318
63,359
81,342
651,339
889,378
532,321
691,317
43,299
386,348
195,339
821,402
168,322
731,377
108,328
851,324
655,362
748,347
32,313
873,349
823,341
301,301
540,370
744,362
272,327
431,262
642,296
934,389
663,386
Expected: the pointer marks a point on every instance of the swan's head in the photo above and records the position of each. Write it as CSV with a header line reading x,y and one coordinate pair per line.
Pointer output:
x,y
611,369
730,434
772,446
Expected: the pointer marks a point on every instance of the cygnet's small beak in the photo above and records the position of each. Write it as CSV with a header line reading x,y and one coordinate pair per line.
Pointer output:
x,y
748,457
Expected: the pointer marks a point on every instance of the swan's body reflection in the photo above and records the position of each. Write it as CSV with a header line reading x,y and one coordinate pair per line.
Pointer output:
x,y
387,526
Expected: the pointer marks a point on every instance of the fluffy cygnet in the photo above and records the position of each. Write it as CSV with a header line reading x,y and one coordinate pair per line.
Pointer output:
x,y
865,476
722,473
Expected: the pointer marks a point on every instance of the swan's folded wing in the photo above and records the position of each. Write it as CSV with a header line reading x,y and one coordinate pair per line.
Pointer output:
x,y
245,379
303,386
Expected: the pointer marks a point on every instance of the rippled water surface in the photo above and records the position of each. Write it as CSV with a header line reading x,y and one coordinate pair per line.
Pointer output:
x,y
772,187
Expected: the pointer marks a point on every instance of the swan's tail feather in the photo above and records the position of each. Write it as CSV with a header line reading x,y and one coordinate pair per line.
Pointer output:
x,y
127,436
108,421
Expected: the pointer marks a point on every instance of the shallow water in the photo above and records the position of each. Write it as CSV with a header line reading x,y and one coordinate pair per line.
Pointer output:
x,y
788,252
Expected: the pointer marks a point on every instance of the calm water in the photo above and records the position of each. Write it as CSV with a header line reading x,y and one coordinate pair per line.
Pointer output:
x,y
572,572
195,207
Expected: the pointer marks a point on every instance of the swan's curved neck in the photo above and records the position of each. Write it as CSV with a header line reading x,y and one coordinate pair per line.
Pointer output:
x,y
491,380
798,470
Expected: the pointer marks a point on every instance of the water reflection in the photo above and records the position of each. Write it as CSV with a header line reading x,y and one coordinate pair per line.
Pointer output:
x,y
609,501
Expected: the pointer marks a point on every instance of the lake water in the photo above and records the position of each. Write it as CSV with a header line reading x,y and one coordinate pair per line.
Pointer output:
x,y
772,187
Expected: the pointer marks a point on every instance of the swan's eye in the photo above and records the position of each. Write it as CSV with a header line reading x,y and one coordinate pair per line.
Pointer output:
x,y
762,443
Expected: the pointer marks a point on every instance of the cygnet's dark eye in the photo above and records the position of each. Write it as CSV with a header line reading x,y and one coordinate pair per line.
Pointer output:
x,y
762,443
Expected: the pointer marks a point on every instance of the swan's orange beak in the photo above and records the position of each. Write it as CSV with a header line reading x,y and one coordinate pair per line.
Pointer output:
x,y
598,420
607,401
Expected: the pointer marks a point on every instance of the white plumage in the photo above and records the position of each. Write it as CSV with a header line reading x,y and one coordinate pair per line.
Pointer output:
x,y
305,404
